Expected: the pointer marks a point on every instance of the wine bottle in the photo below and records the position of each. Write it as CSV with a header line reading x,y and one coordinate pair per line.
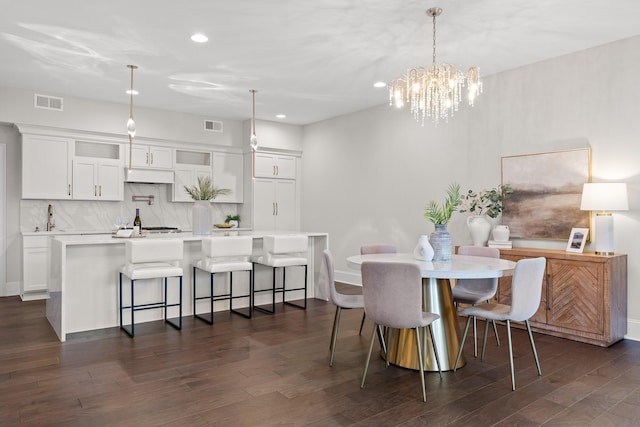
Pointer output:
x,y
137,224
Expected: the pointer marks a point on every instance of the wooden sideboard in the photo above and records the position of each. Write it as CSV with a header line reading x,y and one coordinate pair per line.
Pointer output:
x,y
584,296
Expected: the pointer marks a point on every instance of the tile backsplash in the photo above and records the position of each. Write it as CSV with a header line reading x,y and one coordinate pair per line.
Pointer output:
x,y
83,215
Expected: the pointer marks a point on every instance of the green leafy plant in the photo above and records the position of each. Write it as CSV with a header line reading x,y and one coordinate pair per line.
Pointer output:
x,y
441,214
205,190
232,218
486,202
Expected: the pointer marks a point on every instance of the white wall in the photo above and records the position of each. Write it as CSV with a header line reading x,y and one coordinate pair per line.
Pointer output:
x,y
368,175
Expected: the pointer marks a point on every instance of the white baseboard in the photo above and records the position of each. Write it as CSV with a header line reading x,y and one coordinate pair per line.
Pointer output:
x,y
349,277
10,289
633,330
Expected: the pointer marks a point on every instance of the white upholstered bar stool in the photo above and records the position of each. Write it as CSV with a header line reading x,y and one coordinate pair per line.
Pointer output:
x,y
151,259
282,251
224,254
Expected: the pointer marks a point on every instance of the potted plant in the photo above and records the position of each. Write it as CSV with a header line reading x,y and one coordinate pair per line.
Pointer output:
x,y
232,220
482,204
439,215
203,193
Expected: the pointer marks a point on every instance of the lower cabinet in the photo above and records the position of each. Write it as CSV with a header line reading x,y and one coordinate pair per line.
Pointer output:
x,y
584,296
35,267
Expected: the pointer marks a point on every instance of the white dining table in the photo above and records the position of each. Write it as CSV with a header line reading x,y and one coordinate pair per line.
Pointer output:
x,y
437,279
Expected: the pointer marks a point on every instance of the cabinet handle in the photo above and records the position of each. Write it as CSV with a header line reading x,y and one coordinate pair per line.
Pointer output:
x,y
274,170
273,208
277,170
147,158
69,189
100,190
95,190
276,208
151,158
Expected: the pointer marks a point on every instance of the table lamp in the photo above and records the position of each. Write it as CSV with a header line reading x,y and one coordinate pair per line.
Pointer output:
x,y
603,197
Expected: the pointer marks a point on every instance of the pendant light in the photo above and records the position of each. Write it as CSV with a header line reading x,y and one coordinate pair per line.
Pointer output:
x,y
131,125
253,141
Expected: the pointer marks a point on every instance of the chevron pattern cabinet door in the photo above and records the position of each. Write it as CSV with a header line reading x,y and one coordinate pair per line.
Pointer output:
x,y
584,296
576,295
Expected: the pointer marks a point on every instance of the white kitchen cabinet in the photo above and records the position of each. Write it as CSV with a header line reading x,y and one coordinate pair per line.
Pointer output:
x,y
150,156
35,267
95,179
228,173
46,167
189,166
272,165
98,171
274,204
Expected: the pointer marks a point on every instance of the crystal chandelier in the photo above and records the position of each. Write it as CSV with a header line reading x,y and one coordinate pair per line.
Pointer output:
x,y
436,91
131,125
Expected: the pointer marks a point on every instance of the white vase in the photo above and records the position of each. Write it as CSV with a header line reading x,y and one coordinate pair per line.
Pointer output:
x,y
479,229
233,223
501,233
423,250
201,218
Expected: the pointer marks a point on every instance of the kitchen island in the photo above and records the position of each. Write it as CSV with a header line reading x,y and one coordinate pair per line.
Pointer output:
x,y
83,279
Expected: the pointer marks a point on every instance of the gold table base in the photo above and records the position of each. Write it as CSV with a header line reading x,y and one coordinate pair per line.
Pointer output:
x,y
436,298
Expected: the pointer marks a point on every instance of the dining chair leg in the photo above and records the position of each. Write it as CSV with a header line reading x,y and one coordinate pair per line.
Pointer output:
x,y
533,347
379,332
366,363
387,340
475,338
362,323
334,335
513,375
495,331
484,339
435,349
421,363
464,337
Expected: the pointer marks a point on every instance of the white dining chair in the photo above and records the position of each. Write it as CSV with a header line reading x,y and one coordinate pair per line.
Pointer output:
x,y
526,290
475,291
393,298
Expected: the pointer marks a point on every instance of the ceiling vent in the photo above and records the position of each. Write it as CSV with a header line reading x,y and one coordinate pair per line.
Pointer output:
x,y
47,102
213,126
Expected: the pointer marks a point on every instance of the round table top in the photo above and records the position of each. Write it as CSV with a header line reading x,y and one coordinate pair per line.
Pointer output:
x,y
460,266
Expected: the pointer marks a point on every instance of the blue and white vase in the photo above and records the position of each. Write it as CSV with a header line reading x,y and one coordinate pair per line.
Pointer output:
x,y
441,242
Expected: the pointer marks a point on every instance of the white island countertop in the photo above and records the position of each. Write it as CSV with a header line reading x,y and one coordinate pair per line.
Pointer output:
x,y
83,276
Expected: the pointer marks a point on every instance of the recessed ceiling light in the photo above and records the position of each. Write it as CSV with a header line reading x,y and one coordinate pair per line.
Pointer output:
x,y
281,116
135,92
380,84
199,38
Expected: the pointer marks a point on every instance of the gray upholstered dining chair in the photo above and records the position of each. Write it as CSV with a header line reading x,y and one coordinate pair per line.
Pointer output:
x,y
376,248
526,290
340,300
475,291
393,298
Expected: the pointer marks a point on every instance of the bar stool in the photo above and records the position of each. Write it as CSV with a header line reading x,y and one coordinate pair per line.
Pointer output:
x,y
151,259
282,251
224,254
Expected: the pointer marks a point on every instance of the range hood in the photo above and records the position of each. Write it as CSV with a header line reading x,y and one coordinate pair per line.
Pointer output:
x,y
148,176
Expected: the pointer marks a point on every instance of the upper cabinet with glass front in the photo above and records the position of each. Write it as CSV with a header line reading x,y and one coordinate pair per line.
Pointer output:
x,y
98,172
189,166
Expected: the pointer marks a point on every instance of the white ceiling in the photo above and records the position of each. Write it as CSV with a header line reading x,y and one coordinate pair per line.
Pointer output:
x,y
310,60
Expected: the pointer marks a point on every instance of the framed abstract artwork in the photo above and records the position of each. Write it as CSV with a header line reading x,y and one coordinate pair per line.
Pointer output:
x,y
547,189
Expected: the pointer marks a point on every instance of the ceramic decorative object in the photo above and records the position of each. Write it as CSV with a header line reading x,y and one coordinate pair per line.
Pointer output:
x,y
423,250
501,233
441,242
201,218
479,229
233,223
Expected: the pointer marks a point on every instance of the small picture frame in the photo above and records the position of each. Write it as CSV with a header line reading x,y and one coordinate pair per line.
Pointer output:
x,y
577,239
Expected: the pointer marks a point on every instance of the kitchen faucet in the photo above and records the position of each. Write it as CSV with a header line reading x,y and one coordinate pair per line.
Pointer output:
x,y
50,221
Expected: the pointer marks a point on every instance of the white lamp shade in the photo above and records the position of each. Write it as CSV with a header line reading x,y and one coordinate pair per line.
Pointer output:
x,y
604,196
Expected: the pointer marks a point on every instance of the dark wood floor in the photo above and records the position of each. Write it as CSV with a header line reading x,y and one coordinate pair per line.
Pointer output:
x,y
273,370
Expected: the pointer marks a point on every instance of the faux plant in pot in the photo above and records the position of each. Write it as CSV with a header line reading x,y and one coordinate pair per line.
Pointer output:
x,y
482,204
232,220
203,193
440,215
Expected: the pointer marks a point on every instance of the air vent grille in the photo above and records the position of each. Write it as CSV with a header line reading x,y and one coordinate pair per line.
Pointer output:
x,y
48,102
213,126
